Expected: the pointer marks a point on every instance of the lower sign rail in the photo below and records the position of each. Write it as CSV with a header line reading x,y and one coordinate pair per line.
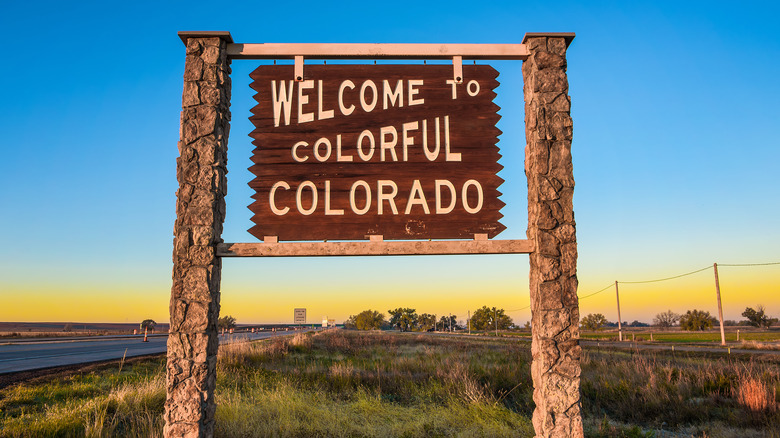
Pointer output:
x,y
374,248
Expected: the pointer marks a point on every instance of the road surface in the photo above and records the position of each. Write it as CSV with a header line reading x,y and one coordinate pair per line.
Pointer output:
x,y
25,355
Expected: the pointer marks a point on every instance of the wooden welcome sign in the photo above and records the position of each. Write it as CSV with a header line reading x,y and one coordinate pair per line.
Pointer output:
x,y
365,153
351,151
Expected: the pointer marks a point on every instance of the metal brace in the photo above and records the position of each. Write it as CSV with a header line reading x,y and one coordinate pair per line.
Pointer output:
x,y
457,67
298,68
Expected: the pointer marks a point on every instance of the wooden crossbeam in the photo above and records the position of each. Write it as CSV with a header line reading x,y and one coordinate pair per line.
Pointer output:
x,y
374,248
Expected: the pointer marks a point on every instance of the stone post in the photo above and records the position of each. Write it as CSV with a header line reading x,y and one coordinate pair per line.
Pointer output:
x,y
200,211
553,278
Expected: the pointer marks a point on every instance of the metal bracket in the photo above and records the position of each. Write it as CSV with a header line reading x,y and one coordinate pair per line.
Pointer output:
x,y
457,69
298,68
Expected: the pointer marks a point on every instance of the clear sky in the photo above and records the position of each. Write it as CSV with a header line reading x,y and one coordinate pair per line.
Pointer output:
x,y
676,157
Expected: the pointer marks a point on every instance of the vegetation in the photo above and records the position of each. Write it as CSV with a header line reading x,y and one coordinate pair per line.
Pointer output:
x,y
593,321
366,384
696,320
366,320
226,322
448,322
666,319
148,324
426,321
713,336
404,318
758,317
486,318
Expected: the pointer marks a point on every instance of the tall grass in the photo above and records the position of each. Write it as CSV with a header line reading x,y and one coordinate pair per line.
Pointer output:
x,y
99,404
352,384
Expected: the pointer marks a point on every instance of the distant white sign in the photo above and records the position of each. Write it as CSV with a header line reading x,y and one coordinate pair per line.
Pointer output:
x,y
299,316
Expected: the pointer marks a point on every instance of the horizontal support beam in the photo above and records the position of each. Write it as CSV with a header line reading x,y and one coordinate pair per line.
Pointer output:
x,y
377,51
375,248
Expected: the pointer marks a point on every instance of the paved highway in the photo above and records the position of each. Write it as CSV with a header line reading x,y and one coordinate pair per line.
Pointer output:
x,y
25,355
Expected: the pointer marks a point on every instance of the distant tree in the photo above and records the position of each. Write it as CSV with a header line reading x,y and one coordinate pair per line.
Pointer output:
x,y
404,318
349,323
226,322
369,320
426,321
637,323
445,322
527,326
758,317
148,324
730,322
696,320
485,319
593,321
666,319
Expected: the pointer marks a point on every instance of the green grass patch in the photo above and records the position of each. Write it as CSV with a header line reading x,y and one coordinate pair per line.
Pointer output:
x,y
685,337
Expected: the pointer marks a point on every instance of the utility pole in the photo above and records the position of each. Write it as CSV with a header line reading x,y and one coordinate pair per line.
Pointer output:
x,y
620,324
495,317
469,321
720,306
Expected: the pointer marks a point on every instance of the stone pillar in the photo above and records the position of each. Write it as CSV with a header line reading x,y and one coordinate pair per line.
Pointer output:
x,y
200,212
553,278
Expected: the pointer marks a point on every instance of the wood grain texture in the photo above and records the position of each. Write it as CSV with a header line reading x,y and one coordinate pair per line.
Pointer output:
x,y
436,247
467,123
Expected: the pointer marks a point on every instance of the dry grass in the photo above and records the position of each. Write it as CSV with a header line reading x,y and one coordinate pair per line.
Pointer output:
x,y
754,394
60,334
681,393
759,345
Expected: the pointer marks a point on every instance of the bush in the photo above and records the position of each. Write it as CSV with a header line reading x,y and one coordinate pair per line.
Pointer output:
x,y
696,320
593,321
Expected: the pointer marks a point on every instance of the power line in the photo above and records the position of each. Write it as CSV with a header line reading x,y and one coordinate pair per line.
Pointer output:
x,y
516,310
661,279
594,293
748,264
667,278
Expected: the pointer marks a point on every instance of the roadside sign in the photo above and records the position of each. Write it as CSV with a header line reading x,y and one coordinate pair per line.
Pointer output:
x,y
299,316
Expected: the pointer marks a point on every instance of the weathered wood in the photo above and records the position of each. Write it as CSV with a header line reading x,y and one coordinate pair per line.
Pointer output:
x,y
374,248
465,118
184,35
377,51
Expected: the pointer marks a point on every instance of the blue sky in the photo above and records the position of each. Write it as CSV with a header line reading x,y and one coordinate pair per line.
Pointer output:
x,y
675,150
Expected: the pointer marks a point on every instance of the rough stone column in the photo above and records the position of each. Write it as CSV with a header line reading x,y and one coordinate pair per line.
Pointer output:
x,y
553,279
200,212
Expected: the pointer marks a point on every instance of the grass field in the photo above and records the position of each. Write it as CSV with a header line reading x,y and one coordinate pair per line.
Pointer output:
x,y
350,384
687,337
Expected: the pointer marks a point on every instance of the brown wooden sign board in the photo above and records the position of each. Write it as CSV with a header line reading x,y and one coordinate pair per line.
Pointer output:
x,y
400,151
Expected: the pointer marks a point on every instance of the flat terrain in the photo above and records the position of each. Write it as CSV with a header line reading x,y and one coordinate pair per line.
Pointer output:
x,y
24,354
358,384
